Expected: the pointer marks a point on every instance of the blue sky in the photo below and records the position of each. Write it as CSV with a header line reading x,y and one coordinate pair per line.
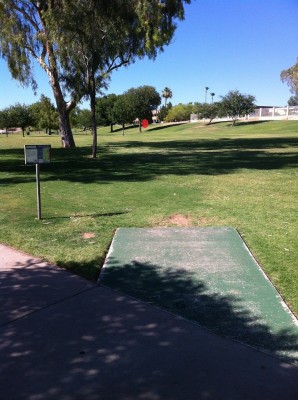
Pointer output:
x,y
222,44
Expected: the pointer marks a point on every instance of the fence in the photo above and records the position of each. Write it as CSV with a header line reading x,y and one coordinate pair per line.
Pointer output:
x,y
263,113
275,113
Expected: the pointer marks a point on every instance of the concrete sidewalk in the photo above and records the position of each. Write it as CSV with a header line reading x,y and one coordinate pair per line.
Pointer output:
x,y
64,338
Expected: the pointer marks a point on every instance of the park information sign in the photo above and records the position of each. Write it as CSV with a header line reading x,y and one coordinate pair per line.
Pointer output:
x,y
37,154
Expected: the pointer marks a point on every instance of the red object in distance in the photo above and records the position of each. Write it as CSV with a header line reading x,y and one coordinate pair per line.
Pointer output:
x,y
145,123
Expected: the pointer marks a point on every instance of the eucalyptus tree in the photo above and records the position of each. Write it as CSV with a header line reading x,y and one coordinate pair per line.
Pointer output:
x,y
25,37
111,35
290,76
79,42
293,100
167,94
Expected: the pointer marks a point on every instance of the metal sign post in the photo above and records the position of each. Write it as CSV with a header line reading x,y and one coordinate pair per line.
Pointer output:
x,y
38,192
37,154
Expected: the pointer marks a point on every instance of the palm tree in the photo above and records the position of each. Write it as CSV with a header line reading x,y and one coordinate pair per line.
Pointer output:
x,y
167,94
206,90
212,95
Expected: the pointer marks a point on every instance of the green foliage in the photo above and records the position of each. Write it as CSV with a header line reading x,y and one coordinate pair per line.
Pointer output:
x,y
290,76
5,120
44,114
209,111
123,111
163,112
73,117
16,116
104,109
236,105
180,112
83,119
293,100
206,91
19,39
166,94
20,114
142,101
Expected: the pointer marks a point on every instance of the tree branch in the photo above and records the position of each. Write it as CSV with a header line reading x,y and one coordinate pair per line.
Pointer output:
x,y
26,15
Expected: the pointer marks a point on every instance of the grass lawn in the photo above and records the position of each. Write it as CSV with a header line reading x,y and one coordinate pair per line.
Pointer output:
x,y
186,175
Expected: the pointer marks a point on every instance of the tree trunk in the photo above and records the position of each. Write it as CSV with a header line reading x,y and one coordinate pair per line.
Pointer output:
x,y
63,111
123,127
93,117
64,123
140,126
112,127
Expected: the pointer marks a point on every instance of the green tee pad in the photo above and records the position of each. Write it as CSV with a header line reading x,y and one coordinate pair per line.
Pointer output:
x,y
206,275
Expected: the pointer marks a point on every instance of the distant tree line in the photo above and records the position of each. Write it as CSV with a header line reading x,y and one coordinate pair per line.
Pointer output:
x,y
233,105
41,115
131,107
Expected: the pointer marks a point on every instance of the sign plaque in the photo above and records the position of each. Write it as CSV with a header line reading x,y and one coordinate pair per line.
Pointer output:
x,y
37,154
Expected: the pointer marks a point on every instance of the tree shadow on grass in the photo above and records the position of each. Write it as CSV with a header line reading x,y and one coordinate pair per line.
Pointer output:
x,y
87,270
148,160
247,123
180,292
160,127
94,215
229,122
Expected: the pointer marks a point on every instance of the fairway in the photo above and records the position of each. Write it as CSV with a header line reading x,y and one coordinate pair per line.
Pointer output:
x,y
206,275
183,175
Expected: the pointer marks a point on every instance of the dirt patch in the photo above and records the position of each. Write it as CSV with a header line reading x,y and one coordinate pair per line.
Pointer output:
x,y
177,220
206,221
186,221
88,235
